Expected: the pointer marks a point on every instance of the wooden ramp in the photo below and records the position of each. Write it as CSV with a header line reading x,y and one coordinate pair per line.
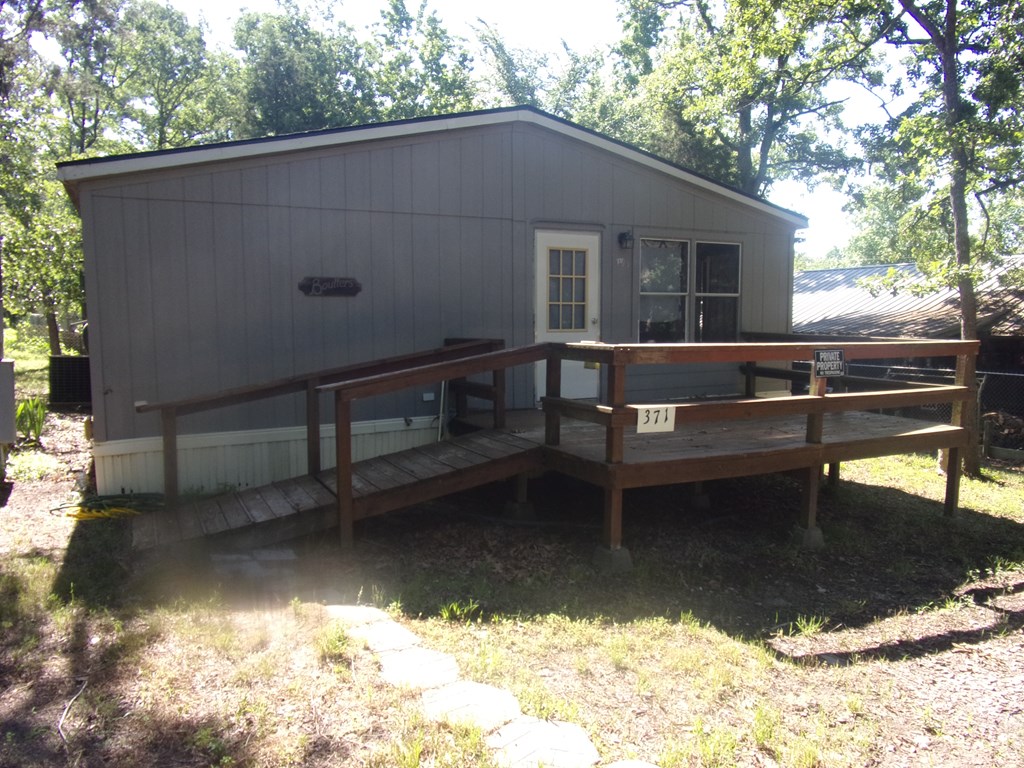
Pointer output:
x,y
287,509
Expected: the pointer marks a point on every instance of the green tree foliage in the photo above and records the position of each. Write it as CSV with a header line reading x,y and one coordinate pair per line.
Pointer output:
x,y
92,74
41,247
417,67
740,86
19,19
957,146
295,76
169,76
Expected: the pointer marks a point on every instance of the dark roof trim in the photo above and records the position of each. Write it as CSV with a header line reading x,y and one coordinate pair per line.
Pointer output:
x,y
75,171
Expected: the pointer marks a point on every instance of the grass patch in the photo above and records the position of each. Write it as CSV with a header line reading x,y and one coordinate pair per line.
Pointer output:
x,y
674,663
31,354
29,465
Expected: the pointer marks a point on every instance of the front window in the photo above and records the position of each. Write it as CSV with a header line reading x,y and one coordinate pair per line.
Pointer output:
x,y
664,280
684,299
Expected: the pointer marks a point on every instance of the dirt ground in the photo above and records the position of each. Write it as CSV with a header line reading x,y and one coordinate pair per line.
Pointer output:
x,y
962,666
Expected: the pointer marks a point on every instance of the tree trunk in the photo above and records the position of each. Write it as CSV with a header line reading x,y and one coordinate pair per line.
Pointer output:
x,y
953,104
944,36
53,331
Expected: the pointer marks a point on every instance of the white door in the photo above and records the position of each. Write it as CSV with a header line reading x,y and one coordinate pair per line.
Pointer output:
x,y
568,303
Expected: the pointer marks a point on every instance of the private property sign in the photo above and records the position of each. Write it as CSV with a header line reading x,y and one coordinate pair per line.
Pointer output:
x,y
829,363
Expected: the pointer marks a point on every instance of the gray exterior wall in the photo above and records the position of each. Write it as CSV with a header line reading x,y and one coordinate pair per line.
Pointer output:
x,y
192,272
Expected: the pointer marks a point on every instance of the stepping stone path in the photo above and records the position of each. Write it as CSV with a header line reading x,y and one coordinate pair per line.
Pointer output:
x,y
518,741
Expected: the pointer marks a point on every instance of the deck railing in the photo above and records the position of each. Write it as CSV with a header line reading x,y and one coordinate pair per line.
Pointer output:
x,y
310,383
463,359
345,392
614,413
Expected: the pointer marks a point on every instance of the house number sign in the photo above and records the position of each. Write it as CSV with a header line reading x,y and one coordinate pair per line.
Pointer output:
x,y
330,286
655,418
829,362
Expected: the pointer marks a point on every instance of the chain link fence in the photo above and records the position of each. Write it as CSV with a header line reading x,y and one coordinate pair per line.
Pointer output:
x,y
1000,398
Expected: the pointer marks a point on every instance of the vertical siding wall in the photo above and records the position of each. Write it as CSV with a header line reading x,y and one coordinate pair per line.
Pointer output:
x,y
193,276
192,273
581,186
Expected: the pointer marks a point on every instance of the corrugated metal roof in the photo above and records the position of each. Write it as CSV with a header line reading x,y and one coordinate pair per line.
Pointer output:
x,y
838,302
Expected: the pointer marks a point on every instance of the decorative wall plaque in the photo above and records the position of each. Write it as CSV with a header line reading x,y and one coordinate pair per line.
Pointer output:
x,y
330,286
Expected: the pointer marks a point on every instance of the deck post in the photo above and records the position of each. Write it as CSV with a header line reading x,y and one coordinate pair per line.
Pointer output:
x,y
498,384
810,533
614,435
169,419
613,556
952,501
553,388
750,379
312,427
521,508
343,444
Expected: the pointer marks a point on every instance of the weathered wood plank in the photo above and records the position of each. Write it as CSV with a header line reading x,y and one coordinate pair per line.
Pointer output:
x,y
419,465
256,508
443,485
485,445
275,500
320,495
360,485
295,494
234,512
210,516
384,475
455,456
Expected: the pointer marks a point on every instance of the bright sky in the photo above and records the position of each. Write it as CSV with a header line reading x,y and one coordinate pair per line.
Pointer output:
x,y
539,25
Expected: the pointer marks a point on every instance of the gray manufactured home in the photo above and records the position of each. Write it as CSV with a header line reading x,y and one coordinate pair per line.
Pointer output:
x,y
227,265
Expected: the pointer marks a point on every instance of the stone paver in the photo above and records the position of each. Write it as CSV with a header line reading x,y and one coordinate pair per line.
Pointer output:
x,y
469,703
383,636
416,667
529,742
354,615
518,742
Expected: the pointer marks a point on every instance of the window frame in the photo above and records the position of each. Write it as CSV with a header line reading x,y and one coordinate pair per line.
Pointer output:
x,y
691,296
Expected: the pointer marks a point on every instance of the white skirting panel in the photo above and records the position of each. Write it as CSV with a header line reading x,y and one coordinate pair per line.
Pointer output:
x,y
224,461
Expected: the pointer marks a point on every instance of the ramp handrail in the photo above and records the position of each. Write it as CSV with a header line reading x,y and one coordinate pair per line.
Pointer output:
x,y
345,392
310,383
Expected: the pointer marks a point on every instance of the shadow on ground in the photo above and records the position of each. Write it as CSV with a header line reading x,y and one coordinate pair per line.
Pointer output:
x,y
733,563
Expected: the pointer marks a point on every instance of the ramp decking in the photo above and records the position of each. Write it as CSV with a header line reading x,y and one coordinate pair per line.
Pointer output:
x,y
299,506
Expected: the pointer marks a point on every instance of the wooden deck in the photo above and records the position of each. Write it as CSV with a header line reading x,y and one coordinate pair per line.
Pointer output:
x,y
308,504
597,442
714,450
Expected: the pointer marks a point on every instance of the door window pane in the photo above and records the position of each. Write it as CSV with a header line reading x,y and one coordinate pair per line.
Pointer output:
x,y
567,289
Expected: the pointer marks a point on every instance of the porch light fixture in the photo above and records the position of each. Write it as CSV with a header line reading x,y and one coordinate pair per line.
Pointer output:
x,y
626,239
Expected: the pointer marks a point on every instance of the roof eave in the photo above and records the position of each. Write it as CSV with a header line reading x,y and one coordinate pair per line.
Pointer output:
x,y
74,172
